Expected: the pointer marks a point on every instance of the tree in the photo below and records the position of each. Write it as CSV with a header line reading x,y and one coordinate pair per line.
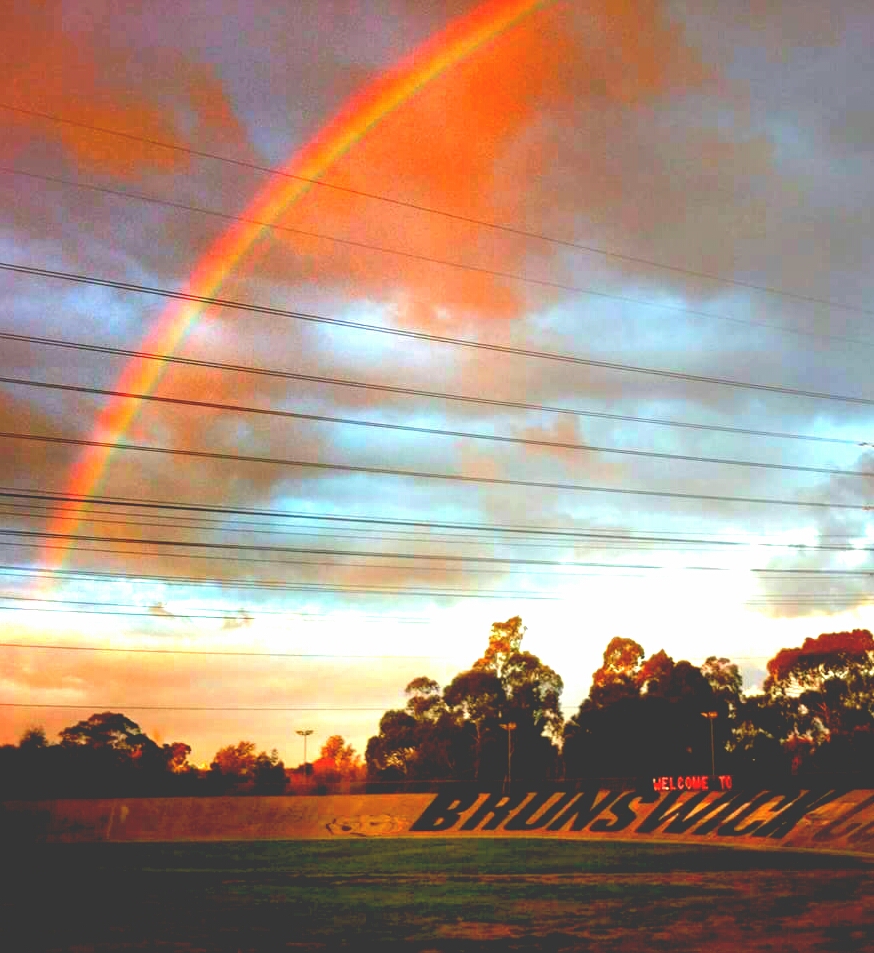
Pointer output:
x,y
236,761
477,699
33,739
239,766
825,690
337,761
845,655
268,774
392,753
176,757
618,675
643,718
426,700
655,675
504,642
107,755
509,686
725,679
109,731
533,692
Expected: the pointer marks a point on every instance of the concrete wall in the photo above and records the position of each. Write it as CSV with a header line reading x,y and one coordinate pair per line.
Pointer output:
x,y
822,819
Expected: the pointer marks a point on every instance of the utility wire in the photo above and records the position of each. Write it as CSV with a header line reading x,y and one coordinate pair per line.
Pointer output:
x,y
623,539
115,612
437,557
104,648
469,220
84,607
430,431
275,585
430,259
232,615
447,570
606,540
413,392
279,586
102,500
417,474
420,335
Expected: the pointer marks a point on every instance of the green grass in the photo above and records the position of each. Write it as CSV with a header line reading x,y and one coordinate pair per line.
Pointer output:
x,y
451,895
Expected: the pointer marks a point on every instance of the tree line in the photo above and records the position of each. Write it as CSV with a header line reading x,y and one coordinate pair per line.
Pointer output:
x,y
501,721
643,717
109,755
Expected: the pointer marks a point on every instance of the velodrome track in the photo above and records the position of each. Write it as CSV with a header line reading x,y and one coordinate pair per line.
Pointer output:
x,y
800,819
461,871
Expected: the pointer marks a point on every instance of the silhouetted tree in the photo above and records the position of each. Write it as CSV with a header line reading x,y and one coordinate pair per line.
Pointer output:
x,y
33,739
110,731
825,691
238,766
618,675
477,701
643,718
457,733
392,753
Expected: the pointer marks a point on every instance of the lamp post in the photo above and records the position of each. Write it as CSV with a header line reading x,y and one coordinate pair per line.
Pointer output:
x,y
305,733
710,715
508,727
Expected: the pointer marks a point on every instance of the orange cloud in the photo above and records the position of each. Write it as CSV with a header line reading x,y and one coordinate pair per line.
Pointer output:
x,y
483,141
52,67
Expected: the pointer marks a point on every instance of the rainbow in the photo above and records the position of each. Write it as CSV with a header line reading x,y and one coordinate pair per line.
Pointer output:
x,y
457,41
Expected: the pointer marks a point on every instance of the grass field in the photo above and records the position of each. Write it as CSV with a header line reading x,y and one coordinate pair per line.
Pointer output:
x,y
439,894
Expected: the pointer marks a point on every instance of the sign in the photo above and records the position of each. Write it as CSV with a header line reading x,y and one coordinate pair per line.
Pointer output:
x,y
723,813
695,782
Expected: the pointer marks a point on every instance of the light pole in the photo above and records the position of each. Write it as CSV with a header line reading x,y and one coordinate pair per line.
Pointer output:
x,y
305,733
508,727
710,715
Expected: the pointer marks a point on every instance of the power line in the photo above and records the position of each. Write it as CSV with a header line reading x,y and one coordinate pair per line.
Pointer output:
x,y
446,570
603,538
421,335
430,259
120,612
414,392
84,607
211,652
309,562
99,500
272,585
22,511
400,203
231,615
431,431
436,557
418,474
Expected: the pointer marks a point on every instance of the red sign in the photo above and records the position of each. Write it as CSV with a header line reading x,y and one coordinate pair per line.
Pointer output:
x,y
695,782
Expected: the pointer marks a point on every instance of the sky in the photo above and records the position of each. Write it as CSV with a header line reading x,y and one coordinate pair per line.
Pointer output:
x,y
617,255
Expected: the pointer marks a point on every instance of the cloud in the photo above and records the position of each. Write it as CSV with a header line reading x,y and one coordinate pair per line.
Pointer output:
x,y
68,65
804,588
240,621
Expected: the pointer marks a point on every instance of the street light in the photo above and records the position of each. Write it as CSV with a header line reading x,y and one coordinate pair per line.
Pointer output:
x,y
508,727
305,733
710,715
